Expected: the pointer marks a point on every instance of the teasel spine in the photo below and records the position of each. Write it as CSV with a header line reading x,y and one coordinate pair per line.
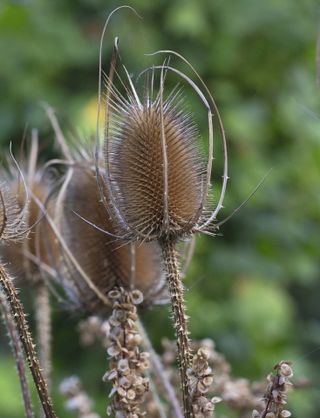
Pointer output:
x,y
26,341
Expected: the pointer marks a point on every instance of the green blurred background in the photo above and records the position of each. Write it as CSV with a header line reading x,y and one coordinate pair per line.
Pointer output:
x,y
255,289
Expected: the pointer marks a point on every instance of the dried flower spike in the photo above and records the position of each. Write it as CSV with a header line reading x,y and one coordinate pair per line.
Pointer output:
x,y
275,397
127,364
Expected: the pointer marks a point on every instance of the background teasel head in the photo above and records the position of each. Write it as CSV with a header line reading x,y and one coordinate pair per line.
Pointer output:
x,y
13,215
95,261
26,257
156,175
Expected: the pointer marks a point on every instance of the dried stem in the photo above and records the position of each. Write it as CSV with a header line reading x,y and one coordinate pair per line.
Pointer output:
x,y
43,324
160,373
26,340
17,352
179,318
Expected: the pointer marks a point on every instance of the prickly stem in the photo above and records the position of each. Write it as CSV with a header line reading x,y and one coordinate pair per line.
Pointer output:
x,y
43,324
17,352
27,343
179,318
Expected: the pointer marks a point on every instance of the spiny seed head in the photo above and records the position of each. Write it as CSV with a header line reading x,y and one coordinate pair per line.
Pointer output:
x,y
156,170
106,261
12,217
40,236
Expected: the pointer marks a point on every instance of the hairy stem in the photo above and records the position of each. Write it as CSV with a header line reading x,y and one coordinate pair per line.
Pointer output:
x,y
18,355
160,373
179,318
26,341
43,323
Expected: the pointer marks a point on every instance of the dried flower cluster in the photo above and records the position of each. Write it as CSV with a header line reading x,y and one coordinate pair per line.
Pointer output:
x,y
201,378
78,400
127,364
275,397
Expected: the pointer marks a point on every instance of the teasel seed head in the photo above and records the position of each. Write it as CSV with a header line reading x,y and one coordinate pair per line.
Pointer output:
x,y
157,178
156,169
106,261
25,258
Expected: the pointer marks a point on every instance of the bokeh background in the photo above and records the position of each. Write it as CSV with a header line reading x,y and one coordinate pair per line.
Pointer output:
x,y
255,289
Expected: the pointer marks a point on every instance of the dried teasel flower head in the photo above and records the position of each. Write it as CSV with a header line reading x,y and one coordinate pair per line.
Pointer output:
x,y
156,176
95,261
25,258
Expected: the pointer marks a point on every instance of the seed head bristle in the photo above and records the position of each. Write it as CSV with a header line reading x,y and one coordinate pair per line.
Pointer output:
x,y
105,260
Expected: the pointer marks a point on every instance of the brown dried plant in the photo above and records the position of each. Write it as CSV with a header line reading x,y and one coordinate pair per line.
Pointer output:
x,y
155,178
112,231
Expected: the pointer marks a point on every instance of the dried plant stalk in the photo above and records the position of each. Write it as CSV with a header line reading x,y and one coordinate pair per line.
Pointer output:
x,y
180,320
43,324
160,373
18,355
26,340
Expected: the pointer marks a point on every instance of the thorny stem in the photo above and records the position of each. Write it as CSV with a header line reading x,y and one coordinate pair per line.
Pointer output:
x,y
179,318
17,352
160,373
26,340
43,324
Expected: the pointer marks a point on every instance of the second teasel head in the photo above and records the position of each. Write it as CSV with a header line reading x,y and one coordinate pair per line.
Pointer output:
x,y
101,262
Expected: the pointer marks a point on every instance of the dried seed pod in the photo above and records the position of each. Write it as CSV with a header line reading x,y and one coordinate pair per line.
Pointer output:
x,y
105,261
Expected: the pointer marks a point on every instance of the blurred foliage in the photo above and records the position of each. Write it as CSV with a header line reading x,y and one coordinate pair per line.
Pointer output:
x,y
254,289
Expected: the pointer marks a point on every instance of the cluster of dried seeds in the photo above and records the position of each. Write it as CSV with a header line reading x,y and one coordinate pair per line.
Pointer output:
x,y
127,364
201,378
276,394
